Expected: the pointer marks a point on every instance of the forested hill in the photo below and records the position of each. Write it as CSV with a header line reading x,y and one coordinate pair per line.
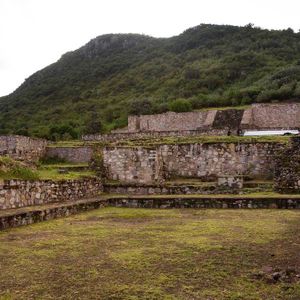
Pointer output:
x,y
96,86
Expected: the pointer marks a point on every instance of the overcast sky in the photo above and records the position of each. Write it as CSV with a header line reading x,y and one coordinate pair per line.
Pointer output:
x,y
35,33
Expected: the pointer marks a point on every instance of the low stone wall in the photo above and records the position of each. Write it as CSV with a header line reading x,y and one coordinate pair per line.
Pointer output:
x,y
114,137
23,217
21,193
287,169
148,189
204,161
71,154
162,189
22,147
210,202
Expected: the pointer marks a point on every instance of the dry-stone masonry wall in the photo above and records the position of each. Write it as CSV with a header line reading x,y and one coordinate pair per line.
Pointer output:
x,y
132,164
71,154
205,161
114,137
21,217
272,116
169,121
287,169
21,193
168,189
211,160
22,147
205,202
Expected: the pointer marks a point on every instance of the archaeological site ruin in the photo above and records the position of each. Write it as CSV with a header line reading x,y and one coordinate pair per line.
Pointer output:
x,y
195,159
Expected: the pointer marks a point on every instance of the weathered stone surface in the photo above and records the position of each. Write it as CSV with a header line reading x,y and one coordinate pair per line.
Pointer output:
x,y
204,161
230,181
22,147
209,202
287,169
118,136
15,218
213,122
71,154
167,189
272,116
21,193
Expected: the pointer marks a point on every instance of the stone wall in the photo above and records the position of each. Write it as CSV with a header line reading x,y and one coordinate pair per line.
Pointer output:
x,y
168,189
169,121
71,154
211,160
21,193
204,161
205,202
132,164
272,116
114,137
22,147
21,217
287,169
211,122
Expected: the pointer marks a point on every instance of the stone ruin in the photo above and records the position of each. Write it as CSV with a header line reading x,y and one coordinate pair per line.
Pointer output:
x,y
258,116
207,122
22,148
287,168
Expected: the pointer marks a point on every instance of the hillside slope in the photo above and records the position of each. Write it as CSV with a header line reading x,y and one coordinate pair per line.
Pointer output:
x,y
117,74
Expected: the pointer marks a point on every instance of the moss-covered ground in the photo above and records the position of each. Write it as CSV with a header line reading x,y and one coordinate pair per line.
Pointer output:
x,y
53,172
12,169
116,253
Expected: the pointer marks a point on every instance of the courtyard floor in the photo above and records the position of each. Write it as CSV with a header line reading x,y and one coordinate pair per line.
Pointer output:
x,y
121,253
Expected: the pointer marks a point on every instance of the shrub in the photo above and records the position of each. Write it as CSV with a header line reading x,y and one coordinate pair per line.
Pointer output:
x,y
180,105
140,107
93,125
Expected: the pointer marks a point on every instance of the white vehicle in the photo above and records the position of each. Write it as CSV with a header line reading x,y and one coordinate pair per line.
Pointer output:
x,y
271,132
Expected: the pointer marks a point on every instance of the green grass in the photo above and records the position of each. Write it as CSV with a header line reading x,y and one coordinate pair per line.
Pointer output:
x,y
53,173
115,253
239,107
11,169
65,165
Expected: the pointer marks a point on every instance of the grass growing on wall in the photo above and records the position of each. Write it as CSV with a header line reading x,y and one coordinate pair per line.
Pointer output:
x,y
11,169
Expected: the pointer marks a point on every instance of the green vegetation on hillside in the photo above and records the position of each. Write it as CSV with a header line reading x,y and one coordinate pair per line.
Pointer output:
x,y
115,75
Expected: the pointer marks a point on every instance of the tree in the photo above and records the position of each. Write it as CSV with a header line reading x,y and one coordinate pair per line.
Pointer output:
x,y
93,125
140,107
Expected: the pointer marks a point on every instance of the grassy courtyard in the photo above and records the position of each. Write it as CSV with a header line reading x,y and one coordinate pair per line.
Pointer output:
x,y
116,253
